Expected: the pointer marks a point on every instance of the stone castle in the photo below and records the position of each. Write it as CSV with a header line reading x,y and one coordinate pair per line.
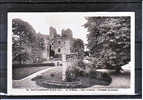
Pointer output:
x,y
59,47
59,50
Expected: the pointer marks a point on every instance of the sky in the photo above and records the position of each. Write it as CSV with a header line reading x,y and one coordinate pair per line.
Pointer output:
x,y
42,21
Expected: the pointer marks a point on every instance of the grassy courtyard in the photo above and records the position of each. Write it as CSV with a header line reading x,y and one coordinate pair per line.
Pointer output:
x,y
22,72
120,80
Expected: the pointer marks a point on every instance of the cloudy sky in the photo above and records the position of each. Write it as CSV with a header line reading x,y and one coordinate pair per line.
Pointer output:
x,y
42,21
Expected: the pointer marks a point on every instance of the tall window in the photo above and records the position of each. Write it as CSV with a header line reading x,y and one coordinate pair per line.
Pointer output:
x,y
59,50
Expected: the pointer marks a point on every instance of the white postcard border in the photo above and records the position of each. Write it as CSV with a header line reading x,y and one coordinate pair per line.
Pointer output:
x,y
121,91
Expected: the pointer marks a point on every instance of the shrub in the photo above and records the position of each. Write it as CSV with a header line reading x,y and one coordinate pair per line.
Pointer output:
x,y
78,69
81,65
71,74
100,76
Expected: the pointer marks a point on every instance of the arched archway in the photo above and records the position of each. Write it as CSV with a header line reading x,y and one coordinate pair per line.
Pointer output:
x,y
52,52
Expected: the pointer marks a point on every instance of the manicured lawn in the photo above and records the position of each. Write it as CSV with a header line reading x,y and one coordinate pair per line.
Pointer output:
x,y
54,74
22,72
121,80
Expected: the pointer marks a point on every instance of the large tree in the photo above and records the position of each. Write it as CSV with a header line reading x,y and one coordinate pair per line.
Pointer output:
x,y
78,47
41,40
109,41
23,37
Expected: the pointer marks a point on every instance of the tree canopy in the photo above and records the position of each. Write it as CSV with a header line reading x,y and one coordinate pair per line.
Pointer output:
x,y
23,37
109,40
27,44
23,30
78,47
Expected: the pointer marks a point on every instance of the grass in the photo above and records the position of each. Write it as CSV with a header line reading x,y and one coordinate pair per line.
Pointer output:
x,y
54,74
22,72
121,80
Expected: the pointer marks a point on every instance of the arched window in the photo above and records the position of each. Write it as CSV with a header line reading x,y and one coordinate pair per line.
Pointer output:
x,y
52,52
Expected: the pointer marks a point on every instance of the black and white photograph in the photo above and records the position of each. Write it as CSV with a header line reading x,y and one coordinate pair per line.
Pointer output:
x,y
71,53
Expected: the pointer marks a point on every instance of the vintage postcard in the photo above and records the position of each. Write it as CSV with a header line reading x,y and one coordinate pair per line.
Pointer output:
x,y
71,53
